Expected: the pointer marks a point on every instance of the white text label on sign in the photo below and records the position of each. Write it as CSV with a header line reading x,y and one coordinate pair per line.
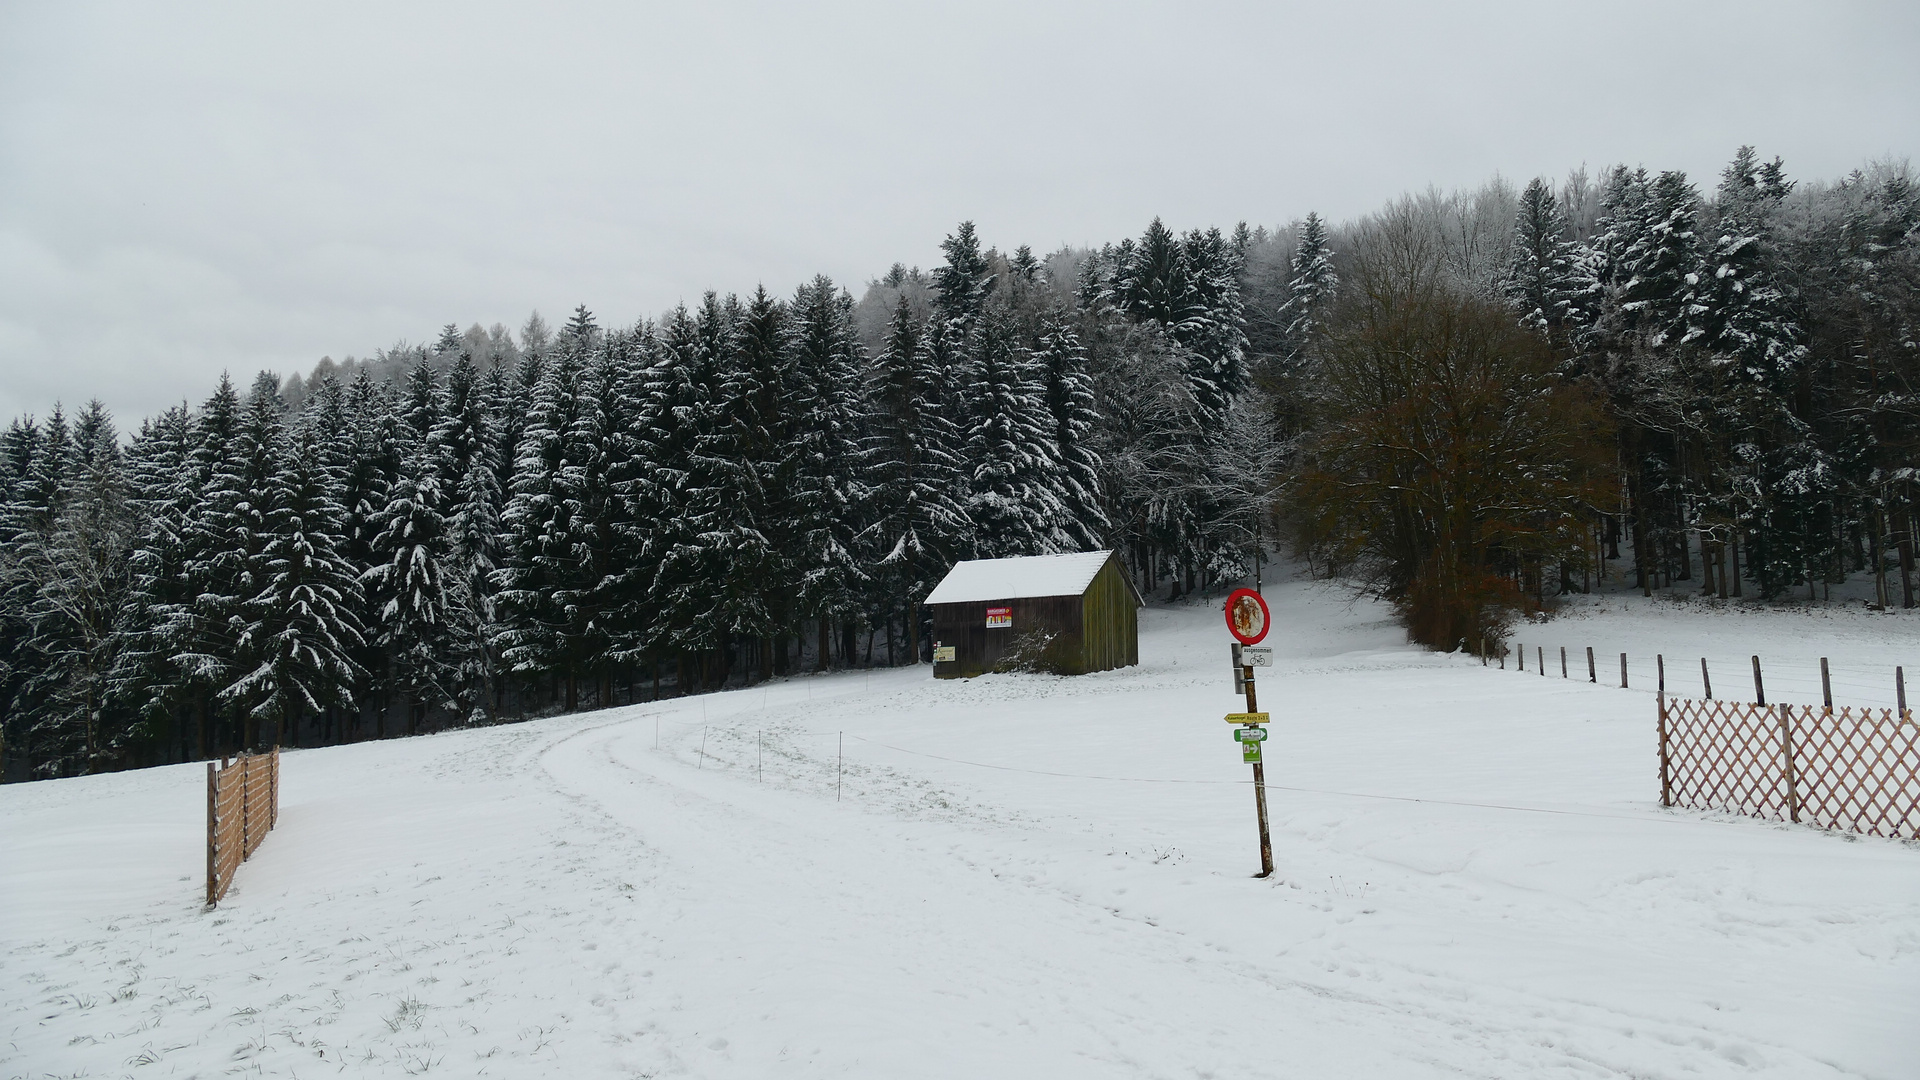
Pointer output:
x,y
1256,656
999,617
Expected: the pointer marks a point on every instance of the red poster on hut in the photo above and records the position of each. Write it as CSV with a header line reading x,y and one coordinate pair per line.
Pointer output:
x,y
1001,617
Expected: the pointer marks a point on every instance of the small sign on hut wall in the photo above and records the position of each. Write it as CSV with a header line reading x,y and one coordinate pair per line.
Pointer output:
x,y
943,654
1000,618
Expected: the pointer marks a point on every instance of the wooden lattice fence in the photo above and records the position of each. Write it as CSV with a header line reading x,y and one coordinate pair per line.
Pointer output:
x,y
1846,768
243,803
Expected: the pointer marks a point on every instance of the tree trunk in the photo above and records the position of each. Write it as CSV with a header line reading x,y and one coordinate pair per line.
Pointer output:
x,y
820,664
1733,554
1879,559
1904,538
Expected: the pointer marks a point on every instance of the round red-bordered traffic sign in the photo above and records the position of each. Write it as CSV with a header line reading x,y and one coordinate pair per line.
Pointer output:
x,y
1247,616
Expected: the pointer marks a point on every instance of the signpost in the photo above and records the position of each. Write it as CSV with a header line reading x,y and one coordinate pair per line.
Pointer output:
x,y
1248,620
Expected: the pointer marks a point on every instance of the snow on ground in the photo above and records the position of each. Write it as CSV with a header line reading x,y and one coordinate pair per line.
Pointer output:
x,y
1021,876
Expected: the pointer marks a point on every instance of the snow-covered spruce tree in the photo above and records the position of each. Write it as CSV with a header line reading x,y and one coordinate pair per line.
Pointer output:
x,y
557,574
372,465
1546,278
964,280
463,447
145,686
681,555
193,631
1657,267
1740,309
1214,328
828,467
1062,364
1311,281
75,562
298,631
713,552
232,526
1014,490
770,374
32,471
917,525
406,585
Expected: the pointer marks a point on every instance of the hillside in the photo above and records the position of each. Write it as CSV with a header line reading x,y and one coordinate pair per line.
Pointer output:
x,y
1013,876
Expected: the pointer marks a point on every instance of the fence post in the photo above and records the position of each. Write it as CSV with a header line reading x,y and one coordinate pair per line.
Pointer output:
x,y
1900,691
1759,690
1826,686
1623,671
1563,661
1666,771
1786,752
1521,654
213,825
1592,677
246,804
1540,658
1660,666
1706,682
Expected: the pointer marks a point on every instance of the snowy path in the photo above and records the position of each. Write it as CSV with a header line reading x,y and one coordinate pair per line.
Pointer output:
x,y
562,898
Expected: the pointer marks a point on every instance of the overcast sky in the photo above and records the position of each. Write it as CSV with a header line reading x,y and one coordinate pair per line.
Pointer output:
x,y
191,188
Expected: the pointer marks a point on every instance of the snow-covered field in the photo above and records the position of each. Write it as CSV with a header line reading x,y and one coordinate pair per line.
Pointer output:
x,y
1020,876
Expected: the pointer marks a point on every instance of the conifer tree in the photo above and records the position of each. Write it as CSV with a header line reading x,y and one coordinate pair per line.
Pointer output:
x,y
1545,279
827,467
963,282
917,521
1310,284
298,631
1015,492
407,588
1062,364
145,686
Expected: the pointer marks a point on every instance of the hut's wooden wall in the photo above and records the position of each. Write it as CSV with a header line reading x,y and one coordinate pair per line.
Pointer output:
x,y
978,649
1111,618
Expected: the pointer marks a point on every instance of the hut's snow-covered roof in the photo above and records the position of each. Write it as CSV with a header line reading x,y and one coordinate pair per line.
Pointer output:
x,y
1013,579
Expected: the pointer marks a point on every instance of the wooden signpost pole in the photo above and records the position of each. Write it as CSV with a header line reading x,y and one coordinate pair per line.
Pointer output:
x,y
1259,787
1248,621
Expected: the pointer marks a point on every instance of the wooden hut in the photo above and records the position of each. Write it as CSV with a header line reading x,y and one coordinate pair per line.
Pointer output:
x,y
1068,614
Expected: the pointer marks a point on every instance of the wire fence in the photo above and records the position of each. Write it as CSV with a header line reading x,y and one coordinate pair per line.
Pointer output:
x,y
1713,677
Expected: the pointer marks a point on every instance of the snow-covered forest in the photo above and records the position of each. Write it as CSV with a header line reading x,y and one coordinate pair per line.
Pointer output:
x,y
1468,403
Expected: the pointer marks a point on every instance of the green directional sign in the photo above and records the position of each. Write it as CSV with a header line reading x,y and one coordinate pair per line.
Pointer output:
x,y
1250,734
1250,753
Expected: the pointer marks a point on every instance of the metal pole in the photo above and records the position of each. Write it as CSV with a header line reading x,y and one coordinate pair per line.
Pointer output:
x,y
1259,786
839,760
703,747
